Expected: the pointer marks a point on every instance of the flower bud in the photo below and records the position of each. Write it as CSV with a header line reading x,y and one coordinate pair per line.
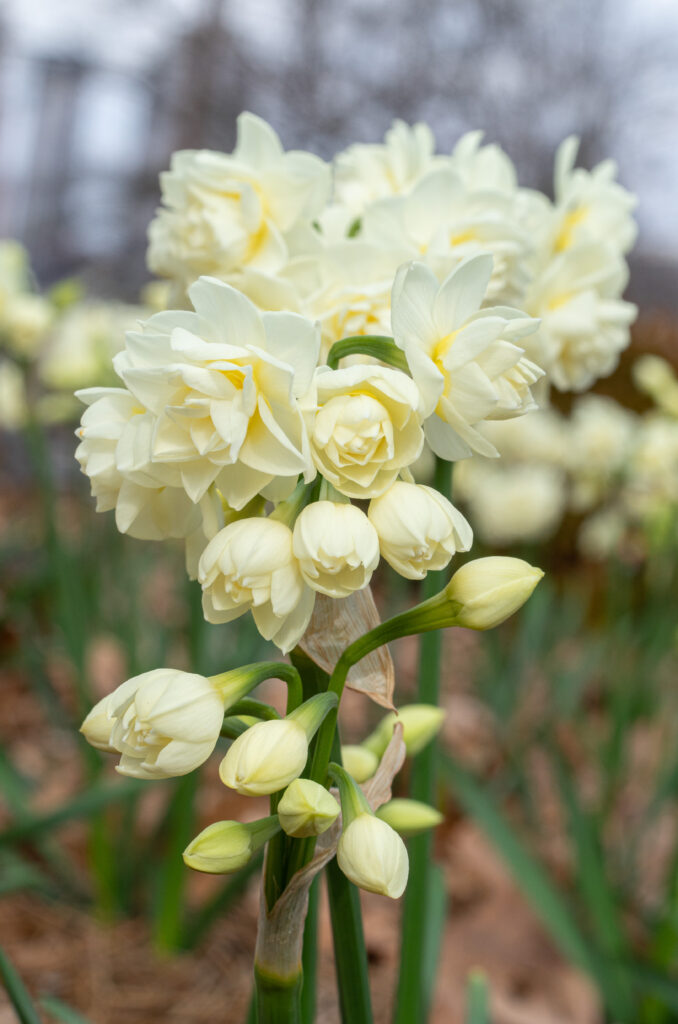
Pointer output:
x,y
370,853
420,724
163,723
409,817
269,755
227,846
373,856
306,809
489,590
265,758
419,529
336,546
359,762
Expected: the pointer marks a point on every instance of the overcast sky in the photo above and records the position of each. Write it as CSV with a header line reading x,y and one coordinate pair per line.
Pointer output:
x,y
130,35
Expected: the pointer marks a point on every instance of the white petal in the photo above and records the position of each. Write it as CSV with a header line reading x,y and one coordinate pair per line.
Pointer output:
x,y
462,292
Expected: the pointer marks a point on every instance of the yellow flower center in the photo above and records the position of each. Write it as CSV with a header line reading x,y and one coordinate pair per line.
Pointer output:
x,y
571,222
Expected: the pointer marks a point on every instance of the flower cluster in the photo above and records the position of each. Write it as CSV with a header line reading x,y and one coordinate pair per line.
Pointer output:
x,y
167,723
613,469
54,342
336,324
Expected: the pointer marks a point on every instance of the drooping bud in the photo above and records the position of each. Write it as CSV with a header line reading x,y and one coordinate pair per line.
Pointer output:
x,y
359,761
227,846
269,755
336,546
409,817
420,724
306,809
419,529
370,853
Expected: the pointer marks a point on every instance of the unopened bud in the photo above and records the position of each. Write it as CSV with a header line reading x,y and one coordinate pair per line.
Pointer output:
x,y
373,856
359,762
420,724
370,853
227,846
306,809
269,755
409,817
489,590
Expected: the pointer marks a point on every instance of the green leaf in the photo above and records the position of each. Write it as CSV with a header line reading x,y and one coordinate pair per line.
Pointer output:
x,y
61,1011
436,916
171,873
598,897
82,806
477,999
17,992
529,875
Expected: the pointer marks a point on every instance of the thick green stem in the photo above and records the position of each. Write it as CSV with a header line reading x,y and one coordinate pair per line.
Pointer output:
x,y
413,998
350,959
309,957
278,999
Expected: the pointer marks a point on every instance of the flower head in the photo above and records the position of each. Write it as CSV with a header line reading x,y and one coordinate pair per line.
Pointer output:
x,y
420,722
336,546
359,761
365,428
409,817
163,723
223,385
590,205
115,453
464,359
224,212
418,528
364,173
250,565
584,322
443,221
269,755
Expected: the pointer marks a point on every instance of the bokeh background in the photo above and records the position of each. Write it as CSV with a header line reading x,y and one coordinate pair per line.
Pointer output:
x,y
560,850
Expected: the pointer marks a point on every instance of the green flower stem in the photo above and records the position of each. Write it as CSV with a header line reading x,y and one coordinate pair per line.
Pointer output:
x,y
309,716
377,345
413,998
254,708
278,999
353,800
278,854
252,675
309,957
434,614
350,957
